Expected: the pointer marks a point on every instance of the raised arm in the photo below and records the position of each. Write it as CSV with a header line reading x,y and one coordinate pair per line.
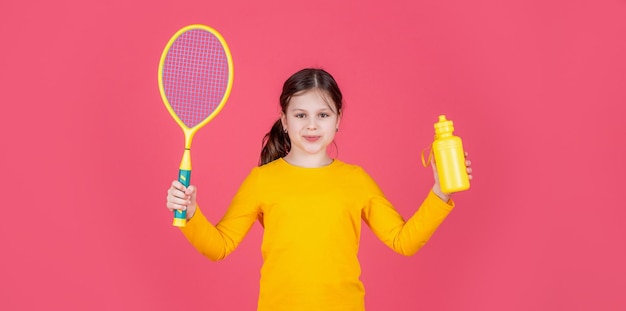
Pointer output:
x,y
404,237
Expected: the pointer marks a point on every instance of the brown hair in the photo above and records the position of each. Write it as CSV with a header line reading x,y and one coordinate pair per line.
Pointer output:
x,y
276,143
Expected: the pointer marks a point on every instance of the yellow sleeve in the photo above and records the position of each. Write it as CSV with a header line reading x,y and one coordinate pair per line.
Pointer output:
x,y
217,241
408,237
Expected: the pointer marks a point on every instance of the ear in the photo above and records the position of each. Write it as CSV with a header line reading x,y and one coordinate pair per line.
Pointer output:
x,y
339,118
283,120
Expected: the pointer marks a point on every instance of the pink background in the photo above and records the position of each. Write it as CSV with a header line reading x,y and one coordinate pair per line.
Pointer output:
x,y
535,88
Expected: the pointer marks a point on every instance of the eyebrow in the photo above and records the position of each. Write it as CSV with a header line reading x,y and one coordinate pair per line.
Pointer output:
x,y
325,109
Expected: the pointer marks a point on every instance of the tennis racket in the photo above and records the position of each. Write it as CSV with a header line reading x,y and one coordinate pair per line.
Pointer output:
x,y
195,80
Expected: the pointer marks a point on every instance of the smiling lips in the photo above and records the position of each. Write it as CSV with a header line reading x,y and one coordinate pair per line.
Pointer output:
x,y
312,138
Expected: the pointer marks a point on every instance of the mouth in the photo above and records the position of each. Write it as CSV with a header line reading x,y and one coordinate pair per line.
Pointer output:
x,y
311,138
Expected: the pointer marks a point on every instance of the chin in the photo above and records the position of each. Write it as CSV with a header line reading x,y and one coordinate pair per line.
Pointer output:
x,y
313,150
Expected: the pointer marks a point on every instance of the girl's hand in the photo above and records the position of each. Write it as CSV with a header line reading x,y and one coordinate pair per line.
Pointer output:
x,y
182,198
437,187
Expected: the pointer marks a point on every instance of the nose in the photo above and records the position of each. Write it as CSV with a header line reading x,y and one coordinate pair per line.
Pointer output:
x,y
312,125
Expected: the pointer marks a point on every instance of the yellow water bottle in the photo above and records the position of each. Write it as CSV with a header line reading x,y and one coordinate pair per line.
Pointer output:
x,y
449,157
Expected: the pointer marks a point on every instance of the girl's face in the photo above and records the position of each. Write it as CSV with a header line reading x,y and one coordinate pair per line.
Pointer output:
x,y
311,121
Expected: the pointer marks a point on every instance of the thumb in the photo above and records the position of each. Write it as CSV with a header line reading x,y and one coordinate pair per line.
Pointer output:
x,y
190,190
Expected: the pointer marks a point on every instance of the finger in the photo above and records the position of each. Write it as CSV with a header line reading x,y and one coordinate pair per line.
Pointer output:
x,y
190,190
468,163
173,206
179,201
176,198
178,185
182,201
176,193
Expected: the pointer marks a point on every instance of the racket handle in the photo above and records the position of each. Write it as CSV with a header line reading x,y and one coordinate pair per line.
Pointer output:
x,y
180,217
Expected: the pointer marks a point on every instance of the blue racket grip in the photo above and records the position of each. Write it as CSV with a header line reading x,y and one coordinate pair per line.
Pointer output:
x,y
180,217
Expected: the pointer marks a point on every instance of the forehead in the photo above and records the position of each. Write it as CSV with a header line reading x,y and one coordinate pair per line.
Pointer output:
x,y
313,99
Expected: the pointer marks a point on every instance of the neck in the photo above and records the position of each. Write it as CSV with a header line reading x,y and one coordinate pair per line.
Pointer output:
x,y
308,161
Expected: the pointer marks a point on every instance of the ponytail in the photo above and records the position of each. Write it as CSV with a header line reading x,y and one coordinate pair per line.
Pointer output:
x,y
276,144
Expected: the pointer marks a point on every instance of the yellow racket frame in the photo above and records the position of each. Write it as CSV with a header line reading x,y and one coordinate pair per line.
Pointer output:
x,y
185,164
190,132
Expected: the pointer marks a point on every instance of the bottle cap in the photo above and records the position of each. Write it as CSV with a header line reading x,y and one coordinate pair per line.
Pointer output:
x,y
443,126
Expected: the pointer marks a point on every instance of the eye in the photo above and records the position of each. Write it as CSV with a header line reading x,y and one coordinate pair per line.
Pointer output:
x,y
300,115
324,115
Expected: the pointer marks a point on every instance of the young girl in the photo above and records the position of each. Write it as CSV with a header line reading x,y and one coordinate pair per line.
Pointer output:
x,y
310,207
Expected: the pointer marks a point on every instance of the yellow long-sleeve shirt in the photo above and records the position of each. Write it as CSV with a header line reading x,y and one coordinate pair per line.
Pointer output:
x,y
312,222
